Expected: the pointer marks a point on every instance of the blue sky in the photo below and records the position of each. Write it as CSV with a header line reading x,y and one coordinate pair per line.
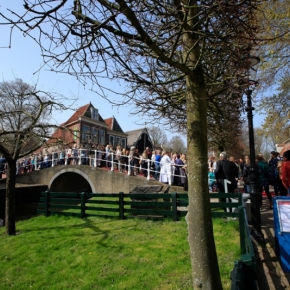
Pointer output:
x,y
23,60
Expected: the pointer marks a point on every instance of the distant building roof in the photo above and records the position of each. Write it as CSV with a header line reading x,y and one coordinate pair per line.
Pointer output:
x,y
78,113
82,111
113,125
135,135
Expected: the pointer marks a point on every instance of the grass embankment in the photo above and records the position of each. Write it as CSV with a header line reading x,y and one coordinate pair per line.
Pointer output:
x,y
97,253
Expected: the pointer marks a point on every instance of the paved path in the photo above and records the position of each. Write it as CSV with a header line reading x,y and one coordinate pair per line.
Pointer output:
x,y
270,273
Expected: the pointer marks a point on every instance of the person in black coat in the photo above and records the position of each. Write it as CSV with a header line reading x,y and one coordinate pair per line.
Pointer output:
x,y
226,170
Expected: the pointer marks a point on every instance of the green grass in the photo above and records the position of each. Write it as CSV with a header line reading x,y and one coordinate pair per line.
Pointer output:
x,y
97,253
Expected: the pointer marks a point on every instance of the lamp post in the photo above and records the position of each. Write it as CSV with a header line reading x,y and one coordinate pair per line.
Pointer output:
x,y
252,62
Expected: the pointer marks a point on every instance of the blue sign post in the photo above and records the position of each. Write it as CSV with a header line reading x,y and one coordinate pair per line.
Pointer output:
x,y
282,230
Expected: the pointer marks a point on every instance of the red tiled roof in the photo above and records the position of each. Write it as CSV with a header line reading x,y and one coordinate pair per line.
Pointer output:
x,y
79,112
109,123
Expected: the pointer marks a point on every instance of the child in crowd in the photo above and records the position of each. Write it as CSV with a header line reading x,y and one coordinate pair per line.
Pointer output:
x,y
211,181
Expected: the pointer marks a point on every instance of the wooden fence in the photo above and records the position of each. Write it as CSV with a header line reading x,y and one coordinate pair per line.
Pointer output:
x,y
154,206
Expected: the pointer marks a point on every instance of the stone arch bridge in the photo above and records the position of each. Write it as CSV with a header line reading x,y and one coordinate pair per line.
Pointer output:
x,y
82,178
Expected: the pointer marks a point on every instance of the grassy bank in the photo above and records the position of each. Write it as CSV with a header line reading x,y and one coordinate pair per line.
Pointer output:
x,y
97,253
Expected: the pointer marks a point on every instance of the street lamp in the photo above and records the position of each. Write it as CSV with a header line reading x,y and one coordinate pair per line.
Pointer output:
x,y
251,66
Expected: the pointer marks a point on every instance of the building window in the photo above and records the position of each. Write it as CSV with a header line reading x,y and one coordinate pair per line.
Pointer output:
x,y
118,141
94,136
112,140
75,133
94,113
85,133
102,137
123,144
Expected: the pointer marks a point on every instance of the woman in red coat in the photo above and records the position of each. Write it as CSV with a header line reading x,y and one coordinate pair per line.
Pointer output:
x,y
286,170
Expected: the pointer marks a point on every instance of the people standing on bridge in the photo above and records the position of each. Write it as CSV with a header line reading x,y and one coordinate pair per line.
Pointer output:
x,y
68,155
99,156
91,151
123,160
144,162
117,158
132,162
55,158
84,155
75,153
108,155
62,157
165,169
136,156
157,164
179,177
183,159
152,162
286,170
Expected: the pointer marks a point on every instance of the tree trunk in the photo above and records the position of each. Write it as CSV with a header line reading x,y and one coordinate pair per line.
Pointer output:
x,y
10,198
205,268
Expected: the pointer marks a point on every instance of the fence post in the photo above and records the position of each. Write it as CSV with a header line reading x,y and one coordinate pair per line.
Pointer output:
x,y
46,194
121,205
112,164
83,205
148,169
95,164
80,157
129,165
174,206
242,229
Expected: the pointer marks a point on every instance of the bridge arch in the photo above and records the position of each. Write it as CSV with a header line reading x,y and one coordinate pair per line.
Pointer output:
x,y
71,179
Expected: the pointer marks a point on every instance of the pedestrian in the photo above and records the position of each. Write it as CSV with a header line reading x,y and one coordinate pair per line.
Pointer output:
x,y
226,171
165,169
263,179
273,174
246,174
286,170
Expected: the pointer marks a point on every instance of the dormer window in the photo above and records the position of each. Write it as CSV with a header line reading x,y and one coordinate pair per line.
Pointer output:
x,y
94,113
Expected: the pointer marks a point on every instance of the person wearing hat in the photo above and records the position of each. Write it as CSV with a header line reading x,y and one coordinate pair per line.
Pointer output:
x,y
273,174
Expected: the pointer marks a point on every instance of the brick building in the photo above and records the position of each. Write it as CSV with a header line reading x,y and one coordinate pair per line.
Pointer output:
x,y
87,124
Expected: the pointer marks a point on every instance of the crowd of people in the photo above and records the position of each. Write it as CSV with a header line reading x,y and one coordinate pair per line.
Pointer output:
x,y
168,167
164,166
273,172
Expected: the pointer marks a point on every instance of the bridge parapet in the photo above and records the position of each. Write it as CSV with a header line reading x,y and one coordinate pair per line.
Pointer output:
x,y
83,178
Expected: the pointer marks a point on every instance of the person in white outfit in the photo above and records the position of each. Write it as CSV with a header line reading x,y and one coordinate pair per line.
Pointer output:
x,y
165,169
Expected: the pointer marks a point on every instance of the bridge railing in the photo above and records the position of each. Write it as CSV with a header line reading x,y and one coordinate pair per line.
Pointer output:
x,y
97,158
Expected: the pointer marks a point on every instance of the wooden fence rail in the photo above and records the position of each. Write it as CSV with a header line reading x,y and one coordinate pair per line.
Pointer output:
x,y
169,205
154,206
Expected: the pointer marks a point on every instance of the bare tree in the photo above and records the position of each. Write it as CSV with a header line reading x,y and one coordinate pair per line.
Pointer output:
x,y
176,144
24,128
169,54
158,136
